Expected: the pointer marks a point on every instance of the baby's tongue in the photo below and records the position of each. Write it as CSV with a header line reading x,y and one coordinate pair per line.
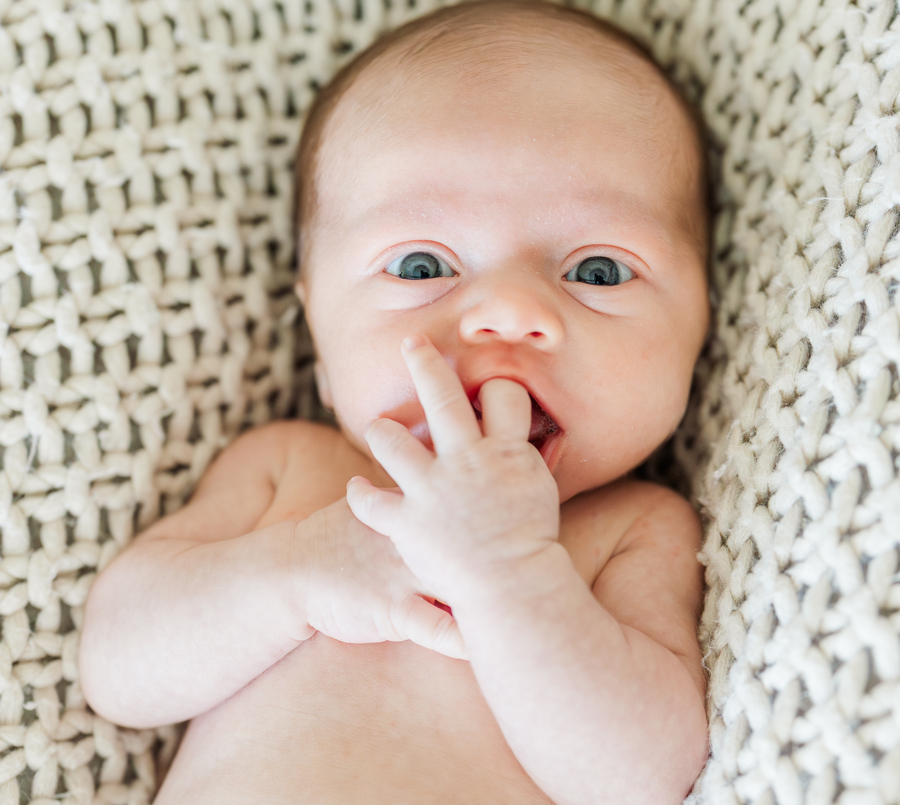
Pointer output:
x,y
542,425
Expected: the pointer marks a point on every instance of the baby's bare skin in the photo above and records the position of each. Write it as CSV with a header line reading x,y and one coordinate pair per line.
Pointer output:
x,y
394,722
545,185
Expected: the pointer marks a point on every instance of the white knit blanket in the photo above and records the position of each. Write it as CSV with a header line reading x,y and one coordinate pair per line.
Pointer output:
x,y
146,316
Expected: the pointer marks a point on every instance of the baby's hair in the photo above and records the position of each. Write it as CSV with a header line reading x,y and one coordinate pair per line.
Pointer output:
x,y
415,36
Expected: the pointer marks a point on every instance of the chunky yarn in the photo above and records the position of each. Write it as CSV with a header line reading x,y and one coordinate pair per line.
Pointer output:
x,y
147,316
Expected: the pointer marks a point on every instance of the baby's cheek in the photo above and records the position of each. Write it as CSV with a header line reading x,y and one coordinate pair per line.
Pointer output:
x,y
422,433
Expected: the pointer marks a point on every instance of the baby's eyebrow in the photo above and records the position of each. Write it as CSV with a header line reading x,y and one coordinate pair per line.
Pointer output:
x,y
622,204
419,206
582,210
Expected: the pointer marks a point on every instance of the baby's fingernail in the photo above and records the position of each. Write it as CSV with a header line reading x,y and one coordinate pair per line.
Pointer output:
x,y
413,342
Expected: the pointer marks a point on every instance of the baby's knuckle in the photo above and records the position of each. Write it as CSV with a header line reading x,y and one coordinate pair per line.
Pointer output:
x,y
516,455
513,448
399,612
441,633
442,398
470,461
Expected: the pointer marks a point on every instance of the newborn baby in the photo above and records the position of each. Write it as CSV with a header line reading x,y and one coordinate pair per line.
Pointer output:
x,y
458,595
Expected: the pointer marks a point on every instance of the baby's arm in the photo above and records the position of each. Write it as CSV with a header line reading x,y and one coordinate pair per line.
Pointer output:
x,y
199,605
596,710
600,692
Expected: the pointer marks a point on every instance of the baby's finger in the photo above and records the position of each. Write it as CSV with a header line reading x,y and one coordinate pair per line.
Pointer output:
x,y
401,454
451,419
373,507
430,627
505,409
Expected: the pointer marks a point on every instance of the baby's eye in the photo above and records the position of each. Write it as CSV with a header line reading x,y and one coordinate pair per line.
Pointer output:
x,y
600,271
419,266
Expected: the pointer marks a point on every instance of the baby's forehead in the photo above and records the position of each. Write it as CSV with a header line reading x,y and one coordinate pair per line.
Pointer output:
x,y
487,55
502,55
539,65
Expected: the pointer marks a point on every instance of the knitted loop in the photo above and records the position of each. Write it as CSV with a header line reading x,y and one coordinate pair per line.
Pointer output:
x,y
146,316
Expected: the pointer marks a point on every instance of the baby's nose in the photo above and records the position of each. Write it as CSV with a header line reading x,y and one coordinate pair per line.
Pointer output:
x,y
512,314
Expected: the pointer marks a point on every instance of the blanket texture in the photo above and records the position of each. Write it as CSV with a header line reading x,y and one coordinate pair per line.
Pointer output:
x,y
146,317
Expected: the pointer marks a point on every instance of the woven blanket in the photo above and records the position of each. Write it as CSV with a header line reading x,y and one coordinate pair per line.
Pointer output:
x,y
146,317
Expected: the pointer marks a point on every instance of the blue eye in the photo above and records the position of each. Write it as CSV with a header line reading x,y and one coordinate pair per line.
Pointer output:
x,y
419,266
600,271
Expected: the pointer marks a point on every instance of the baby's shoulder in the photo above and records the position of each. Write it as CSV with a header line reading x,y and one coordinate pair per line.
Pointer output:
x,y
627,500
267,453
294,433
310,464
645,571
282,442
606,521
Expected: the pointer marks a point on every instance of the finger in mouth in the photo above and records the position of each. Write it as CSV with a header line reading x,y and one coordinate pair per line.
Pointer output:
x,y
542,426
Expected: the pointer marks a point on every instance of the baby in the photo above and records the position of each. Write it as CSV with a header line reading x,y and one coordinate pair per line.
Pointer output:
x,y
458,595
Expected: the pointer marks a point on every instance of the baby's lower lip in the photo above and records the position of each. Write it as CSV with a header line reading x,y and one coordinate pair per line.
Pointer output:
x,y
548,448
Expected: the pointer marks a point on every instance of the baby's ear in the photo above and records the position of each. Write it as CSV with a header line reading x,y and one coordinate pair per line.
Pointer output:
x,y
300,290
322,385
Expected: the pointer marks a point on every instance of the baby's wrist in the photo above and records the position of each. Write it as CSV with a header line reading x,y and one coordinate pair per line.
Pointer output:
x,y
295,570
524,580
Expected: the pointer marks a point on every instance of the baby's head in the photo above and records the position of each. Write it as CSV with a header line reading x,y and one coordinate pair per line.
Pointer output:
x,y
519,182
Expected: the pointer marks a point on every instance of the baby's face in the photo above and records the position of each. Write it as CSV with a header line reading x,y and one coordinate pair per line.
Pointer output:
x,y
540,226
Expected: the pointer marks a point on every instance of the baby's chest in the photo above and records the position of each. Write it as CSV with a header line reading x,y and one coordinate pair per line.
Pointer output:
x,y
410,724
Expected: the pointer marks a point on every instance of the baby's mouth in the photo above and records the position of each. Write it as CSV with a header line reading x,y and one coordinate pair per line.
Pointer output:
x,y
543,426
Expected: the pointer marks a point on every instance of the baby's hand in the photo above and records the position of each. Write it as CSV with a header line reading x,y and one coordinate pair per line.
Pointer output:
x,y
473,513
357,589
